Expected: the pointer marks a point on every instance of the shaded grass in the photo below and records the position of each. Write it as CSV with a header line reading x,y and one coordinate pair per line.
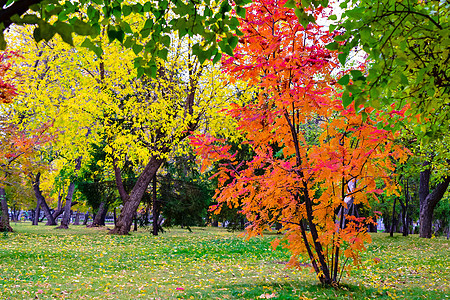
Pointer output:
x,y
86,263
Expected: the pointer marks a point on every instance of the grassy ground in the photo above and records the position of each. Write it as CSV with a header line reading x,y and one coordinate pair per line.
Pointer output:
x,y
81,263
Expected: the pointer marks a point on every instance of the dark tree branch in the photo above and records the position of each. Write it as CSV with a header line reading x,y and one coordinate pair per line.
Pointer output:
x,y
17,8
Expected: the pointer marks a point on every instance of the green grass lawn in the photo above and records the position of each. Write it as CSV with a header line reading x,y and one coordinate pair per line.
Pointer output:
x,y
40,262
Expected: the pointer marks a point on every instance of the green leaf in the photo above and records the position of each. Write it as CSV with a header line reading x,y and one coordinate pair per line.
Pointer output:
x,y
153,70
47,31
163,53
224,7
82,28
233,41
65,31
87,43
365,33
344,80
403,79
342,58
140,72
364,116
332,18
332,27
137,48
26,19
290,4
126,10
356,74
217,58
128,43
332,46
165,40
116,35
225,47
136,8
340,38
375,92
148,6
346,99
240,11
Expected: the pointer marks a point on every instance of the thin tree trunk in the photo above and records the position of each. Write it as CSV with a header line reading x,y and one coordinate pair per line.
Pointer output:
x,y
155,212
66,217
135,223
37,212
4,215
428,201
391,233
405,209
99,219
77,218
86,218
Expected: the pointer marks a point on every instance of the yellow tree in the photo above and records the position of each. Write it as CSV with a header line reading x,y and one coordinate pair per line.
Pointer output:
x,y
142,120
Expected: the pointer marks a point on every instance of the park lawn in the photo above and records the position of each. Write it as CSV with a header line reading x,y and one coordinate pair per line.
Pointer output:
x,y
40,262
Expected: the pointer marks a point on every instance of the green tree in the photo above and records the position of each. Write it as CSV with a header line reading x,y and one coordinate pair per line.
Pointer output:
x,y
185,194
407,47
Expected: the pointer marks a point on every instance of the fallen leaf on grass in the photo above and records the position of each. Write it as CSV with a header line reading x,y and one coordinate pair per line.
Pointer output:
x,y
267,296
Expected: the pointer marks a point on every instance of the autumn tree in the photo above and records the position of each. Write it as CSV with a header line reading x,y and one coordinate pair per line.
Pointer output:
x,y
304,183
18,142
156,116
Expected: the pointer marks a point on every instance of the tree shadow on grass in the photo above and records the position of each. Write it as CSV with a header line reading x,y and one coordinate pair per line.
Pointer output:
x,y
304,290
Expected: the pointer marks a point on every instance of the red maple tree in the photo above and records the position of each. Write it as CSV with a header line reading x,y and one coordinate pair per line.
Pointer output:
x,y
305,180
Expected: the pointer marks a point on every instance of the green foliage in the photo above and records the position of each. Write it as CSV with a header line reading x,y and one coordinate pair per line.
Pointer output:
x,y
210,20
93,183
442,215
407,43
185,195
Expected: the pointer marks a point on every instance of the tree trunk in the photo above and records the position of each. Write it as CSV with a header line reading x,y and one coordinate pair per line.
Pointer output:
x,y
41,201
391,233
77,218
37,213
4,215
14,214
66,217
428,201
155,212
115,217
131,201
99,219
86,218
135,223
405,210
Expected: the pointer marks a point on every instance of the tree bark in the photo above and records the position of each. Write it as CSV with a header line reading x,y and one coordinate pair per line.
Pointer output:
x,y
66,217
131,201
86,218
405,210
41,201
4,215
391,233
135,223
77,218
37,213
99,219
428,201
155,212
